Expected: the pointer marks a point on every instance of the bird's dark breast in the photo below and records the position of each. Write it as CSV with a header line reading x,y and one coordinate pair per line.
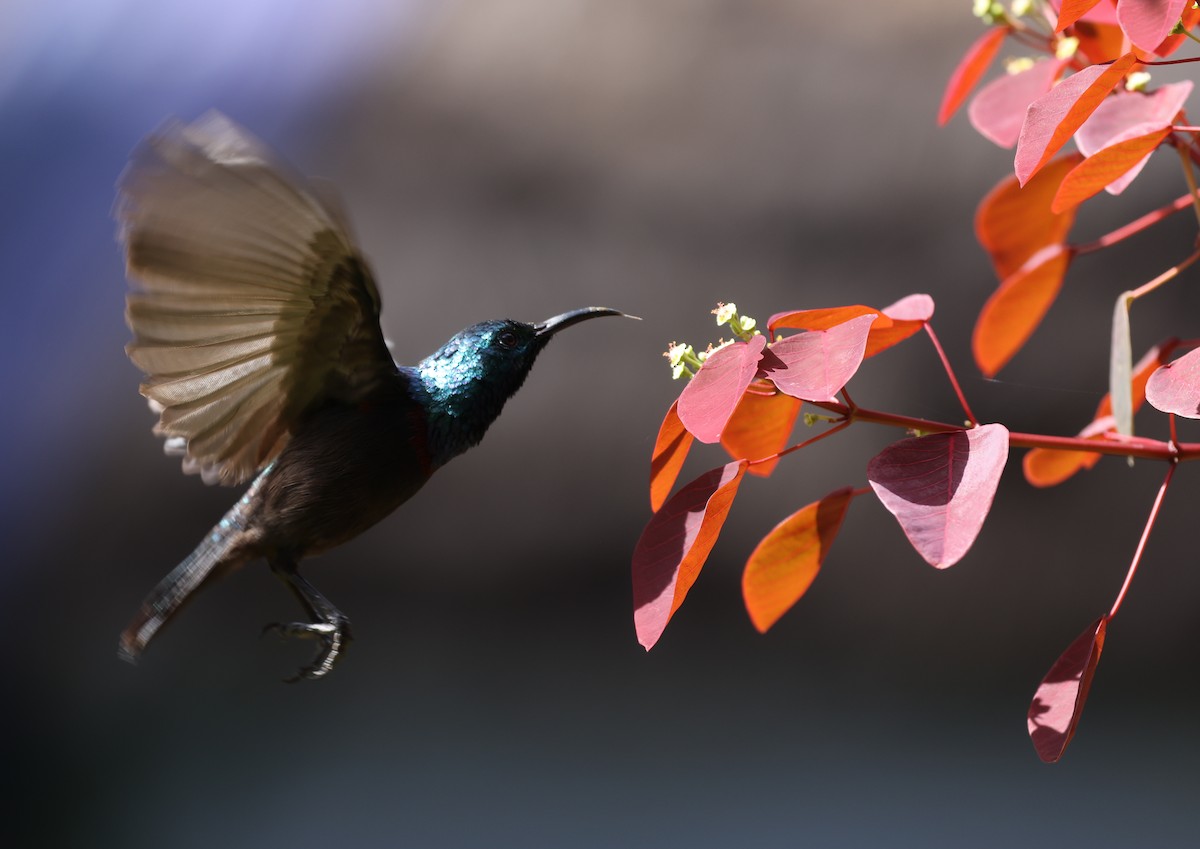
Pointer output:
x,y
345,468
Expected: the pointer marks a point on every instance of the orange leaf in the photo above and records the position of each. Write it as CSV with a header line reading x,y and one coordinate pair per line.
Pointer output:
x,y
1099,42
760,427
885,331
970,68
674,545
1014,223
784,564
1071,11
1098,170
1046,467
882,338
670,450
822,319
1016,308
1055,116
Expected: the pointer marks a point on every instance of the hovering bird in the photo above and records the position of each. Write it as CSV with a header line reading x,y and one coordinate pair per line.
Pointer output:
x,y
256,321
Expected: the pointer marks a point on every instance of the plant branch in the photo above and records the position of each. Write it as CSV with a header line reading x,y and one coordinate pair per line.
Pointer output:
x,y
1185,157
1168,275
1141,447
1141,546
962,399
1134,227
840,426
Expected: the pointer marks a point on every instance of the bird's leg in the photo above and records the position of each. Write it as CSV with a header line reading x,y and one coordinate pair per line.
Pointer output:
x,y
329,624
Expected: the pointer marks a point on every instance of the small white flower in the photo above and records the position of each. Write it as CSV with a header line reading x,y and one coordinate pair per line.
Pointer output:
x,y
1066,48
1018,64
725,313
1137,81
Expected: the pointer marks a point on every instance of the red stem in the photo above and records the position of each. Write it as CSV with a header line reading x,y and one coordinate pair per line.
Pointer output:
x,y
804,444
1137,555
1136,226
1149,449
962,399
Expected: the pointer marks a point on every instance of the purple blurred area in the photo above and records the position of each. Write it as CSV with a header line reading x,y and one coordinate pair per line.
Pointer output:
x,y
519,158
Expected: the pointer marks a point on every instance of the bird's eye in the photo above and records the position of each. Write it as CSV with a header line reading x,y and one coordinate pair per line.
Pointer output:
x,y
506,339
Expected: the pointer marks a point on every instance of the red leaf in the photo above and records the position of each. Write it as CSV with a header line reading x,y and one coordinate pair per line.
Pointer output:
x,y
1014,223
1071,11
1149,22
784,564
670,450
711,396
1058,702
998,111
1049,467
970,68
1055,116
816,364
1015,310
674,545
1175,387
1094,173
1126,115
760,427
940,487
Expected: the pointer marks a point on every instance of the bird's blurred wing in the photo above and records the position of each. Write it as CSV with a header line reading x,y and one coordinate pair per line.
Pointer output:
x,y
249,301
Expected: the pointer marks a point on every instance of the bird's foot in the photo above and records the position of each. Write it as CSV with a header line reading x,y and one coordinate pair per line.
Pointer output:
x,y
335,636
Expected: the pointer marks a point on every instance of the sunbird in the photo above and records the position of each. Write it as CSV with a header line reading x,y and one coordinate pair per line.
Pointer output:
x,y
255,319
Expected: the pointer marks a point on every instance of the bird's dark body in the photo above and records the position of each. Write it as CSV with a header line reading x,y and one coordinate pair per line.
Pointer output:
x,y
345,468
256,321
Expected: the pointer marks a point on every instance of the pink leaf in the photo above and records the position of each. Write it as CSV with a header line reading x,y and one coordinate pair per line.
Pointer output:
x,y
940,487
970,68
1175,387
1148,22
816,364
1127,115
672,549
1058,703
710,397
1128,109
1055,116
998,111
911,308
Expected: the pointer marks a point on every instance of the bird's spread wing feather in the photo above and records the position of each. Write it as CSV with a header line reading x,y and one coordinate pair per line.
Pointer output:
x,y
249,301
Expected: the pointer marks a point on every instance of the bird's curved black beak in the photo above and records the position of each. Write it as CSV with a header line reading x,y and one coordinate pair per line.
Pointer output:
x,y
546,329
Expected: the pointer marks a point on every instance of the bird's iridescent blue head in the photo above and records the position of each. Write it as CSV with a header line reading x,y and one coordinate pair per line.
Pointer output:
x,y
470,377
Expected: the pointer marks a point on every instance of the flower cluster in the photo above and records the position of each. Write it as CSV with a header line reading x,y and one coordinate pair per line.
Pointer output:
x,y
685,361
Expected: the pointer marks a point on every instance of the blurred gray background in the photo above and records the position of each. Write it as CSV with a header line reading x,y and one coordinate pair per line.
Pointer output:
x,y
519,158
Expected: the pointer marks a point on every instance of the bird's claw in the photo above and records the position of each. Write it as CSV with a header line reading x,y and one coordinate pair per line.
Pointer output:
x,y
334,636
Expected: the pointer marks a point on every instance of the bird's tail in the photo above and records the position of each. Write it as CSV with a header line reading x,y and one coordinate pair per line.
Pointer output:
x,y
219,552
